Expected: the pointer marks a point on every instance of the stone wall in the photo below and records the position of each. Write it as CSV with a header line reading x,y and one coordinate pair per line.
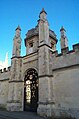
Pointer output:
x,y
3,93
66,87
15,96
65,70
66,58
4,79
30,61
5,73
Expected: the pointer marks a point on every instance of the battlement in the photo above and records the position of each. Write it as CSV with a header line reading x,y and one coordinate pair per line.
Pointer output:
x,y
66,58
65,51
5,70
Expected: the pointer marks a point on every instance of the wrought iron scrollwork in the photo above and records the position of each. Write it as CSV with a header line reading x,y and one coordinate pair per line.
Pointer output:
x,y
31,90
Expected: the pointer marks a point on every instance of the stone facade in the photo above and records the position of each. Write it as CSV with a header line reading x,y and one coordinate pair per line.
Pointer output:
x,y
56,74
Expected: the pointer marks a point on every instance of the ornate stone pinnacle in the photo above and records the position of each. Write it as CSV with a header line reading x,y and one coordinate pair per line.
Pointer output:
x,y
18,28
62,29
43,11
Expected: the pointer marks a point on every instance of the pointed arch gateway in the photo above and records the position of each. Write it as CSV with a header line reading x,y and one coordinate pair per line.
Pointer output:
x,y
31,90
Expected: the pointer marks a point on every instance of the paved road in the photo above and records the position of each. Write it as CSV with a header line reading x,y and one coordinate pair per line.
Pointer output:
x,y
18,115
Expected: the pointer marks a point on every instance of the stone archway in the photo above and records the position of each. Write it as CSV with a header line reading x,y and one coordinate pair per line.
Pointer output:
x,y
31,90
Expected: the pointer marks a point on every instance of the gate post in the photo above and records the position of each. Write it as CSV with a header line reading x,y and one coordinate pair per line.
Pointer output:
x,y
45,77
14,102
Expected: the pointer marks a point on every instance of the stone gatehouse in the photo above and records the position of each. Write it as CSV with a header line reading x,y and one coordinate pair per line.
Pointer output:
x,y
42,80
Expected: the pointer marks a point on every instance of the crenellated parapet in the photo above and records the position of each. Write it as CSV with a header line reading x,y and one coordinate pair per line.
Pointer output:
x,y
5,70
66,58
5,73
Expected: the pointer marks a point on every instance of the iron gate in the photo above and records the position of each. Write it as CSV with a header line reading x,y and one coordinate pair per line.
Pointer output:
x,y
31,90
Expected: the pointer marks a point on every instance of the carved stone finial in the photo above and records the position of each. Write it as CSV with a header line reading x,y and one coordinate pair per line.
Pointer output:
x,y
42,14
17,42
62,29
63,32
17,31
43,11
63,39
18,28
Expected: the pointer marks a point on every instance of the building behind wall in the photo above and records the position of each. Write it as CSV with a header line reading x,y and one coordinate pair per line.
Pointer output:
x,y
43,80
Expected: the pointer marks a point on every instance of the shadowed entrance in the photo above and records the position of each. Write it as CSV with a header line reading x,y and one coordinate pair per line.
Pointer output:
x,y
31,90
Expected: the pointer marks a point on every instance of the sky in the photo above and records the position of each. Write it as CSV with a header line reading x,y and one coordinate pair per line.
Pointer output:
x,y
26,14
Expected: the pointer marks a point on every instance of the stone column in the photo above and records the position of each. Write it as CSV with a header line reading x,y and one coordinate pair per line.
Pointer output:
x,y
15,86
63,39
45,100
15,83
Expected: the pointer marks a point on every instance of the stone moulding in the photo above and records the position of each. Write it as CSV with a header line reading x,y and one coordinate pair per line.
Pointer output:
x,y
13,101
4,79
40,76
66,67
46,103
16,81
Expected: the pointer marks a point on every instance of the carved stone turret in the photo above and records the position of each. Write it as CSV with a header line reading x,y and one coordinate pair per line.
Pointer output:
x,y
43,40
14,103
44,66
63,39
43,28
43,14
17,42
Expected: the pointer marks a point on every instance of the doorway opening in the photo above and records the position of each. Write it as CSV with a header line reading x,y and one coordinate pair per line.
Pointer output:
x,y
31,90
